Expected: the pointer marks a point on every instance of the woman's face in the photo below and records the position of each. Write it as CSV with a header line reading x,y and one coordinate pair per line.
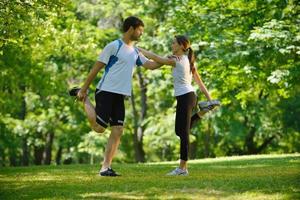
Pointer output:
x,y
175,46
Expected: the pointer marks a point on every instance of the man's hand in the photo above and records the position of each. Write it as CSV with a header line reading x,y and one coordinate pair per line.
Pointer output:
x,y
81,95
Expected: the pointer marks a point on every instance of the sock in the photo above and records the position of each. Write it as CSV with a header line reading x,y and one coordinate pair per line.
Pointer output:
x,y
104,169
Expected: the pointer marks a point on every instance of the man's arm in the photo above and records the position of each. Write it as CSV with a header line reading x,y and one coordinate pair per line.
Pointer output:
x,y
200,83
93,73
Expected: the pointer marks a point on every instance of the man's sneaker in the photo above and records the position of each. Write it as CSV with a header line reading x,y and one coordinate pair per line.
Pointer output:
x,y
208,105
109,172
178,172
74,91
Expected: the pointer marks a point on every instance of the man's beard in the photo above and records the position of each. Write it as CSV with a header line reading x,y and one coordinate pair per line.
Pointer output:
x,y
135,38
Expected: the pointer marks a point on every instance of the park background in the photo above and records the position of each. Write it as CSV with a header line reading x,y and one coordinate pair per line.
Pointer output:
x,y
247,54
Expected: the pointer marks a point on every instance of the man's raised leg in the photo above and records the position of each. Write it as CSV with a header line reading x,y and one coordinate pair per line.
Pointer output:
x,y
91,115
89,110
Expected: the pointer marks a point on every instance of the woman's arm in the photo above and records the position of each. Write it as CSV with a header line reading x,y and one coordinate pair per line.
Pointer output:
x,y
151,65
201,85
157,58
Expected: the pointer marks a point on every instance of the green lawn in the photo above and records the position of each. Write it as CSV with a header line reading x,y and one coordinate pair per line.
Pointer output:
x,y
246,177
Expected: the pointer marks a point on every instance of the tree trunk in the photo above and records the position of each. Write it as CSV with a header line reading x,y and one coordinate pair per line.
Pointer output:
x,y
207,141
2,158
69,159
250,146
138,119
25,149
58,155
138,146
38,150
193,149
206,144
38,154
12,158
48,148
265,143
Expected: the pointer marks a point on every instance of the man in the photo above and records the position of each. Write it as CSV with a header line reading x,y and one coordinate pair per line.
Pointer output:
x,y
119,59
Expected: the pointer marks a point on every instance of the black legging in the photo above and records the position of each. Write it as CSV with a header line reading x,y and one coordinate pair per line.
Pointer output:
x,y
184,108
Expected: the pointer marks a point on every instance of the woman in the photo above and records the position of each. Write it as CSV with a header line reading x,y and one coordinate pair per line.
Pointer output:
x,y
182,62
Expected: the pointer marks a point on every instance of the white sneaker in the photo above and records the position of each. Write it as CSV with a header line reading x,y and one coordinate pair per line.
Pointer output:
x,y
208,105
178,172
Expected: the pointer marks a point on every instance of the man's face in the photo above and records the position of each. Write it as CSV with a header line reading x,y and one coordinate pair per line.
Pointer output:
x,y
137,33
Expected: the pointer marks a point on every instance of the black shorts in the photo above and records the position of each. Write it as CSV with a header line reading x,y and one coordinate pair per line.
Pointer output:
x,y
110,109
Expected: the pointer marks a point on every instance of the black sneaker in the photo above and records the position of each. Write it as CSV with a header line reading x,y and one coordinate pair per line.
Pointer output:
x,y
109,172
74,91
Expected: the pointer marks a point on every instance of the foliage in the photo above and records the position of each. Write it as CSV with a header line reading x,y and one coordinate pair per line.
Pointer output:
x,y
247,54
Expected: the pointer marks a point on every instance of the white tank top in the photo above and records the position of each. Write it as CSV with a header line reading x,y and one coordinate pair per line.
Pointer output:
x,y
182,77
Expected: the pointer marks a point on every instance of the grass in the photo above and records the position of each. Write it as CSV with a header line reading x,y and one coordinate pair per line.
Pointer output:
x,y
247,177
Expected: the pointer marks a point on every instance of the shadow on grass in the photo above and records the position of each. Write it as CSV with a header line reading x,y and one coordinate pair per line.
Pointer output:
x,y
168,188
267,178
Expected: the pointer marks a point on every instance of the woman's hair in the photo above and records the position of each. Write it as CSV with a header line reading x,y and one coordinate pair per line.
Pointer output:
x,y
184,41
132,21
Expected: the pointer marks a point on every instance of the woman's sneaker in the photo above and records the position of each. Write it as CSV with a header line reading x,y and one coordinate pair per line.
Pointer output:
x,y
208,105
74,91
178,172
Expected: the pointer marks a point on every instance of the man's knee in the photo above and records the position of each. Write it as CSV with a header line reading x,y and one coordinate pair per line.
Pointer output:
x,y
117,131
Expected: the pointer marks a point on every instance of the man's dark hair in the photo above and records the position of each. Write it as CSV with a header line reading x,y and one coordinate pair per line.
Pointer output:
x,y
132,21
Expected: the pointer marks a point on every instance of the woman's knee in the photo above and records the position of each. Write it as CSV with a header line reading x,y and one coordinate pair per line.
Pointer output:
x,y
178,130
178,133
181,132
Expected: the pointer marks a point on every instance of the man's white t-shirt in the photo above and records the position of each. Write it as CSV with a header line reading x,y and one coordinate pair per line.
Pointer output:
x,y
117,77
182,77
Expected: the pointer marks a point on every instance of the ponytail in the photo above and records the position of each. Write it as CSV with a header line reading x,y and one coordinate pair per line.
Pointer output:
x,y
183,40
191,57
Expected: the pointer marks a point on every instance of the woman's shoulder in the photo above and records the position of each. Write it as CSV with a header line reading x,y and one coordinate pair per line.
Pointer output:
x,y
173,57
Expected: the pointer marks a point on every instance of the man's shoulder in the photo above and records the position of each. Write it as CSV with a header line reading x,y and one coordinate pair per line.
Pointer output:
x,y
113,43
